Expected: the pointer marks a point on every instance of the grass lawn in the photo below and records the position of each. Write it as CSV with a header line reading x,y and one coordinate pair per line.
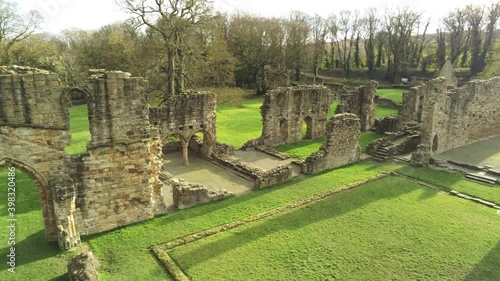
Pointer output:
x,y
393,94
303,149
80,134
386,230
382,111
36,259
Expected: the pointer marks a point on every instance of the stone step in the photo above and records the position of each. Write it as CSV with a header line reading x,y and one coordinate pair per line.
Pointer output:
x,y
381,154
481,178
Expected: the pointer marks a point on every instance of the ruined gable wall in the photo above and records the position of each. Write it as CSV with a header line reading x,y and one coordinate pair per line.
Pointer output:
x,y
341,146
119,172
360,102
460,116
285,109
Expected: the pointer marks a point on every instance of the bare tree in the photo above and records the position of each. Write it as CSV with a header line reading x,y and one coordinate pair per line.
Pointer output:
x,y
475,16
297,32
455,24
318,37
400,27
348,26
15,27
172,20
370,25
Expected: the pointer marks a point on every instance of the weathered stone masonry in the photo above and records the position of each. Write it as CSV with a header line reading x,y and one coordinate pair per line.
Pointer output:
x,y
34,129
114,183
360,102
185,115
119,181
285,109
461,116
341,146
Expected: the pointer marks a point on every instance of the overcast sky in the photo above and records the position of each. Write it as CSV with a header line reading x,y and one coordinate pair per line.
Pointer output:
x,y
92,14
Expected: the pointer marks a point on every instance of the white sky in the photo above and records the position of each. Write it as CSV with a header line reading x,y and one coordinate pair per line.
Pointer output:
x,y
92,14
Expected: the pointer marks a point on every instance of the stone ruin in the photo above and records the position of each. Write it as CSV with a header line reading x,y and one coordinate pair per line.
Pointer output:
x,y
185,115
114,183
456,117
341,145
286,109
360,102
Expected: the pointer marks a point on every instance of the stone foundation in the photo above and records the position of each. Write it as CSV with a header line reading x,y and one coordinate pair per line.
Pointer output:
x,y
83,268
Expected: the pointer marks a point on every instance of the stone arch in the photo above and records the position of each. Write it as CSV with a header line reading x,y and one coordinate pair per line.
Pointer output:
x,y
308,133
284,129
207,145
51,232
435,144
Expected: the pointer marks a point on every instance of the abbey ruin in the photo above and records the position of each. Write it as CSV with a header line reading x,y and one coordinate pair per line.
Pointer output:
x,y
119,179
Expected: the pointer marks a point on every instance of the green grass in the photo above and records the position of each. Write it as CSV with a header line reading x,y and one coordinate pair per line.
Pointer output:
x,y
453,181
303,149
36,259
382,111
80,134
395,95
386,230
124,253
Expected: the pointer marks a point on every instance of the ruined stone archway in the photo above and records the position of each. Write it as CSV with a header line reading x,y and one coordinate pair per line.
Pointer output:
x,y
49,221
202,146
307,134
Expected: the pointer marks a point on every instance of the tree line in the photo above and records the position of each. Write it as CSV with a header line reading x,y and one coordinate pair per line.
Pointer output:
x,y
179,44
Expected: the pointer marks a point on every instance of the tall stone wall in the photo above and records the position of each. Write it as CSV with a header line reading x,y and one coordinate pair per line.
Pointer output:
x,y
286,109
185,115
457,117
360,102
411,107
119,177
341,146
34,130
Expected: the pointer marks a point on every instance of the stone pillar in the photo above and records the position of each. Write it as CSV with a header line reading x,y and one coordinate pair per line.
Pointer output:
x,y
421,156
64,196
185,154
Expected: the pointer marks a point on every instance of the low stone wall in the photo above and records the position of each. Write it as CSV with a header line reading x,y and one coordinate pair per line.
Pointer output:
x,y
187,195
223,148
261,177
83,268
387,102
387,124
341,146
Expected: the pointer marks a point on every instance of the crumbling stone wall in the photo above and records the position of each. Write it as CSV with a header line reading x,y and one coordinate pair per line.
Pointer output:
x,y
341,146
411,107
261,177
185,115
34,130
360,102
285,109
457,117
119,182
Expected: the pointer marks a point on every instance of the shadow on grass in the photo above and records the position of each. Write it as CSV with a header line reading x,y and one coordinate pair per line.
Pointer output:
x,y
33,248
489,268
310,214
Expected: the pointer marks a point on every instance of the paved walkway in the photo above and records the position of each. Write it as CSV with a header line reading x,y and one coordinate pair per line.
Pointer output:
x,y
478,154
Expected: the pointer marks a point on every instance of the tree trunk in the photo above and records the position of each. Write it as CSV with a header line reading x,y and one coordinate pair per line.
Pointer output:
x,y
171,73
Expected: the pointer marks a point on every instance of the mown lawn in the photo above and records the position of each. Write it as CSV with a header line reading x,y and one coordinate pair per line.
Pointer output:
x,y
79,125
36,259
382,111
395,95
303,149
386,230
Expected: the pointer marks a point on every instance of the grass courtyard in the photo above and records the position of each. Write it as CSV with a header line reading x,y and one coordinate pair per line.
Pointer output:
x,y
389,229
